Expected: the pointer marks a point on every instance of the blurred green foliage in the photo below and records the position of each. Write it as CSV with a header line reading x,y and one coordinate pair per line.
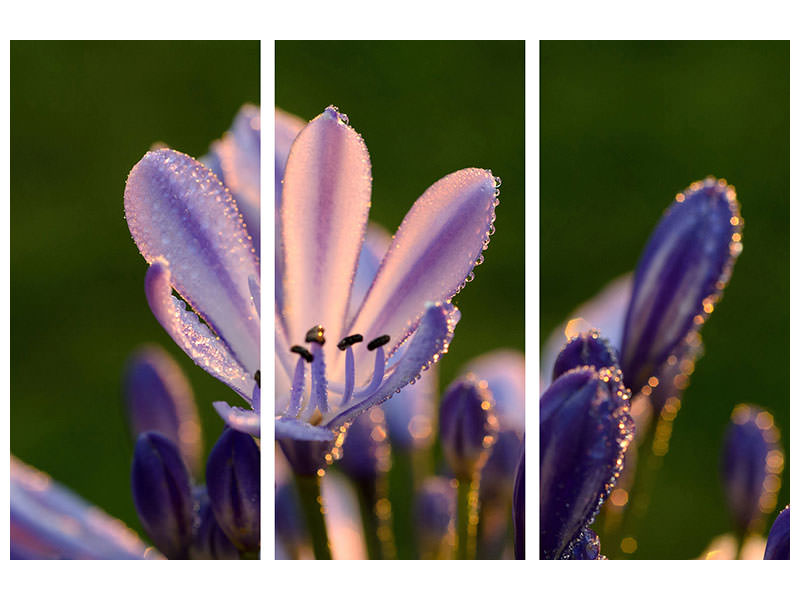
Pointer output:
x,y
625,126
82,114
426,109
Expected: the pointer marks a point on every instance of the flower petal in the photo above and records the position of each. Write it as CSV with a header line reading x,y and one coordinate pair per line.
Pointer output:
x,y
295,429
239,155
194,337
287,127
430,341
326,199
238,418
178,210
431,256
375,246
49,521
684,268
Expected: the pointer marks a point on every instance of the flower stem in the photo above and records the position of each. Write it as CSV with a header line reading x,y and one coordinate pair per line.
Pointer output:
x,y
311,504
376,519
401,495
467,517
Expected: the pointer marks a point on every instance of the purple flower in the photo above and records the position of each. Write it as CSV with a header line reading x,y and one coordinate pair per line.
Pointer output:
x,y
778,540
159,398
343,347
585,430
652,319
751,466
467,426
49,521
162,494
198,239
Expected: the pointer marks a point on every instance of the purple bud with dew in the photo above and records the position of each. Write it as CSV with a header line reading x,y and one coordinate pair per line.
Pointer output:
x,y
778,539
751,467
467,425
518,508
585,430
680,276
587,348
233,478
159,398
435,511
162,494
209,541
366,453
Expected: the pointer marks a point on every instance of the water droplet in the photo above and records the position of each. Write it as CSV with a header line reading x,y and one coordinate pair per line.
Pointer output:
x,y
497,182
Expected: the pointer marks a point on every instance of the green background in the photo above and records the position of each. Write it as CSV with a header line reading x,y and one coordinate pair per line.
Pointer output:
x,y
625,126
82,114
426,109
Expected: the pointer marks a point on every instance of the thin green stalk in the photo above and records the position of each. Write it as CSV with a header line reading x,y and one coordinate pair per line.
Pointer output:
x,y
369,519
401,496
467,518
311,504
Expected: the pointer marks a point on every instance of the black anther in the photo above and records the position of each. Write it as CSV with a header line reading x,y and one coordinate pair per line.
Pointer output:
x,y
349,341
303,352
377,342
316,335
257,377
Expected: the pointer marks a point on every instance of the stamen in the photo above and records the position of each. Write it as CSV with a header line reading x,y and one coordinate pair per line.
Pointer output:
x,y
349,374
319,383
257,377
378,342
298,383
302,352
377,374
350,340
316,335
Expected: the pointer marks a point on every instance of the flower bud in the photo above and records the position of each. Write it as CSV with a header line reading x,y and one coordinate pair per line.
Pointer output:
x,y
586,547
587,348
162,494
209,541
233,478
680,276
751,465
159,398
778,539
366,452
585,429
467,425
435,510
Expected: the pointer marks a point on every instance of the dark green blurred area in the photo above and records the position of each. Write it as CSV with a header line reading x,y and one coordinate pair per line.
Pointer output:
x,y
625,126
82,114
426,109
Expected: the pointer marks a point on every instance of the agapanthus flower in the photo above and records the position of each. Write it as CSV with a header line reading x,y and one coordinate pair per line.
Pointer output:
x,y
651,319
342,349
48,521
197,229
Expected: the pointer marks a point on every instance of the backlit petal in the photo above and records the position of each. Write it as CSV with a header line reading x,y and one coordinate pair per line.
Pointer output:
x,y
238,418
177,209
326,199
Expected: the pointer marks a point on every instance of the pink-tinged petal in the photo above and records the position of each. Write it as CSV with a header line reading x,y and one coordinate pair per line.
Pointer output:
x,y
431,257
326,199
287,428
375,246
48,521
192,335
429,342
504,372
604,312
287,127
239,155
178,210
238,418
